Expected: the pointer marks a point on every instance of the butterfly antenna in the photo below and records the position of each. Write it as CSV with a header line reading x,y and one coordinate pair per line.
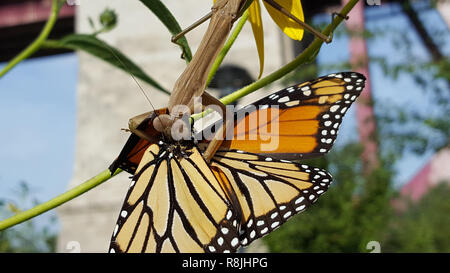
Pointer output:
x,y
136,81
132,76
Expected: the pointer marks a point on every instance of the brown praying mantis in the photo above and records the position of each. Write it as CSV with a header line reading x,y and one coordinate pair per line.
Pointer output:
x,y
192,82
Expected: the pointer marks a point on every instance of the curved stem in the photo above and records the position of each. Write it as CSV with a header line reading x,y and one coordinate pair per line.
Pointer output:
x,y
36,44
105,175
58,200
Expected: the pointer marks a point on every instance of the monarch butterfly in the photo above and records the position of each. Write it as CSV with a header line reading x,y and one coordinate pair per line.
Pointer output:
x,y
177,202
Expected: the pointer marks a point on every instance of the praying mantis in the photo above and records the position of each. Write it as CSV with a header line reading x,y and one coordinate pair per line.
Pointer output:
x,y
182,198
192,82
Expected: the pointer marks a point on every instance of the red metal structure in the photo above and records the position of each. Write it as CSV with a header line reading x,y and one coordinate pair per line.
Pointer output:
x,y
432,174
21,22
364,108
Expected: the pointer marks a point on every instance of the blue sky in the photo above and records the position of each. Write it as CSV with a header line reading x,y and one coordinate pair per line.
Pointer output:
x,y
38,111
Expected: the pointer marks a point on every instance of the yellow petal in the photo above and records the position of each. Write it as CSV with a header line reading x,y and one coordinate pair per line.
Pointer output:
x,y
287,25
255,19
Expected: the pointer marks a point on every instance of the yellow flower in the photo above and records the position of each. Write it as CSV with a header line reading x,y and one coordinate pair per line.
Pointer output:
x,y
286,24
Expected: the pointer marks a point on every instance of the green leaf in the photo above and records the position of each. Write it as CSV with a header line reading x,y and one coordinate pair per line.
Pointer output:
x,y
166,17
100,49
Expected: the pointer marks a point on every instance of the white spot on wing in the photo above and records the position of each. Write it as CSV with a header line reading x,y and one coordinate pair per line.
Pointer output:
x,y
334,108
287,214
283,99
234,242
229,214
299,200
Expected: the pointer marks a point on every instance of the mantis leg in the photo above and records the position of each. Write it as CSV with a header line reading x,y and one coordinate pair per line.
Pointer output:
x,y
215,143
133,125
217,5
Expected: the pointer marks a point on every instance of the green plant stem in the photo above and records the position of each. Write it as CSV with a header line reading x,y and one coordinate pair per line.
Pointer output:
x,y
58,200
36,44
226,47
105,175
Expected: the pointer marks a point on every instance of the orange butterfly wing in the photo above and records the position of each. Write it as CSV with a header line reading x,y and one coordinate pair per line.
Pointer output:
x,y
308,117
